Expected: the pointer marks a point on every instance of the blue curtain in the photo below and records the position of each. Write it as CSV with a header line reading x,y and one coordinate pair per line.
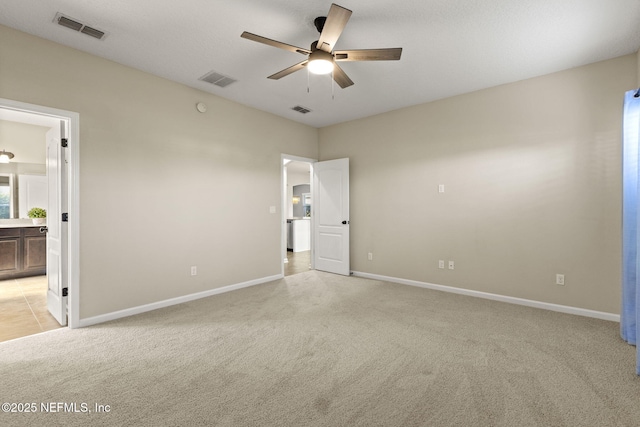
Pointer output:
x,y
630,316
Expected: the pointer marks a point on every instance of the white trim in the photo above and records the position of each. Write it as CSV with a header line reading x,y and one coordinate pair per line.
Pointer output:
x,y
73,193
173,301
297,158
73,202
496,297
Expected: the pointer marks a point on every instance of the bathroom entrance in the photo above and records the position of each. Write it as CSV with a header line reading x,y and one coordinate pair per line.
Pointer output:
x,y
296,209
38,260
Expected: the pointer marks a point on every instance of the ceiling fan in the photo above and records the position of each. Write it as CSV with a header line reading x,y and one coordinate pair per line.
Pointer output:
x,y
321,58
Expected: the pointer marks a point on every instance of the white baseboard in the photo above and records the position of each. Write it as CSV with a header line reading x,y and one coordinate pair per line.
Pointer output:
x,y
512,300
173,301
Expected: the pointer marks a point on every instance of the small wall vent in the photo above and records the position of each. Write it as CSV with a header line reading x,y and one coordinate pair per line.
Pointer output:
x,y
217,79
300,109
76,25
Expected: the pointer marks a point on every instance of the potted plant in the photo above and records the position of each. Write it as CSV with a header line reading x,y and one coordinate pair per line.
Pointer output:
x,y
37,215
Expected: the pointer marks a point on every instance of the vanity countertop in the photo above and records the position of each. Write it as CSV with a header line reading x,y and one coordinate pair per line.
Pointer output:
x,y
9,223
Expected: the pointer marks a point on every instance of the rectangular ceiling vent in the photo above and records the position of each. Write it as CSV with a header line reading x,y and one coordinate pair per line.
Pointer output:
x,y
217,79
76,25
301,110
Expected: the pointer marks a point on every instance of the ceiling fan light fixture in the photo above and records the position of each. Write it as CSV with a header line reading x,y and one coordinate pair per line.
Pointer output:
x,y
320,62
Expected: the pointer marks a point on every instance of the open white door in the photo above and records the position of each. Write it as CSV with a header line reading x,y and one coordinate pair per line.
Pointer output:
x,y
331,216
56,299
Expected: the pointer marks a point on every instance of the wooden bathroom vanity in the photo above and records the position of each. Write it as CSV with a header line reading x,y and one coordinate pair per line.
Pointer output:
x,y
23,251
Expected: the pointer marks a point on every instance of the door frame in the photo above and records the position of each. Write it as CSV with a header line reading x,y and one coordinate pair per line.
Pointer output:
x,y
283,206
73,197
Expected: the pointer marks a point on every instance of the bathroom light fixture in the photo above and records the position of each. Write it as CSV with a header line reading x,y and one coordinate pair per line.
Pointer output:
x,y
295,200
5,156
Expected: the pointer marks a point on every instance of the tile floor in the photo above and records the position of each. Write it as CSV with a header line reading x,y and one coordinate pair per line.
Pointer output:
x,y
299,262
23,308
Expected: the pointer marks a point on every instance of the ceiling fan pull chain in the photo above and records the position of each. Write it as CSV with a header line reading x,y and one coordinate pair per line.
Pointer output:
x,y
307,79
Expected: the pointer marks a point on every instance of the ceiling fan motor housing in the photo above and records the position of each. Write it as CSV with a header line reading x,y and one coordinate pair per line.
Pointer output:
x,y
318,54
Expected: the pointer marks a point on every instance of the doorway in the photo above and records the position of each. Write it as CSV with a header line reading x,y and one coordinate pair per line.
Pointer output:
x,y
328,208
296,217
29,294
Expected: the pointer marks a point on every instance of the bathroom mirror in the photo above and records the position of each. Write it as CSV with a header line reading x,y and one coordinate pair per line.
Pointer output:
x,y
7,196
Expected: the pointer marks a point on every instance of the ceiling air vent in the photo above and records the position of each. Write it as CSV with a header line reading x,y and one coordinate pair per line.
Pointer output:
x,y
69,23
301,109
92,32
76,25
217,79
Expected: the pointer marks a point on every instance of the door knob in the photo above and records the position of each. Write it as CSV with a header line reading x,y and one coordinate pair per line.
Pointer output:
x,y
43,229
345,222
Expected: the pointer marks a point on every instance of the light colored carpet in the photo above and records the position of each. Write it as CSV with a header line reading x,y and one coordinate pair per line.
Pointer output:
x,y
317,349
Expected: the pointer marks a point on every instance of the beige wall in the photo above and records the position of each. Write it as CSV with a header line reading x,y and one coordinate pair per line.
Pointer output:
x,y
162,187
27,142
532,187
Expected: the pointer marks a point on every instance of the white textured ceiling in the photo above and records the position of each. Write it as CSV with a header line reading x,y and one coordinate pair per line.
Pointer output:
x,y
450,47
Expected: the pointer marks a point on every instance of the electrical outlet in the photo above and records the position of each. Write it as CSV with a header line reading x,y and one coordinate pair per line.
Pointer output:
x,y
451,265
560,279
370,256
194,270
441,263
441,188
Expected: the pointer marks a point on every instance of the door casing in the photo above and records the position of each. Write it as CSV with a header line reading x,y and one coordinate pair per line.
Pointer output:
x,y
72,190
283,209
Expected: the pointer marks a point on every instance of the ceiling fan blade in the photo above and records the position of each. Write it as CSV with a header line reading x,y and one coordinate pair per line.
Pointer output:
x,y
333,26
341,77
274,43
391,54
287,71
